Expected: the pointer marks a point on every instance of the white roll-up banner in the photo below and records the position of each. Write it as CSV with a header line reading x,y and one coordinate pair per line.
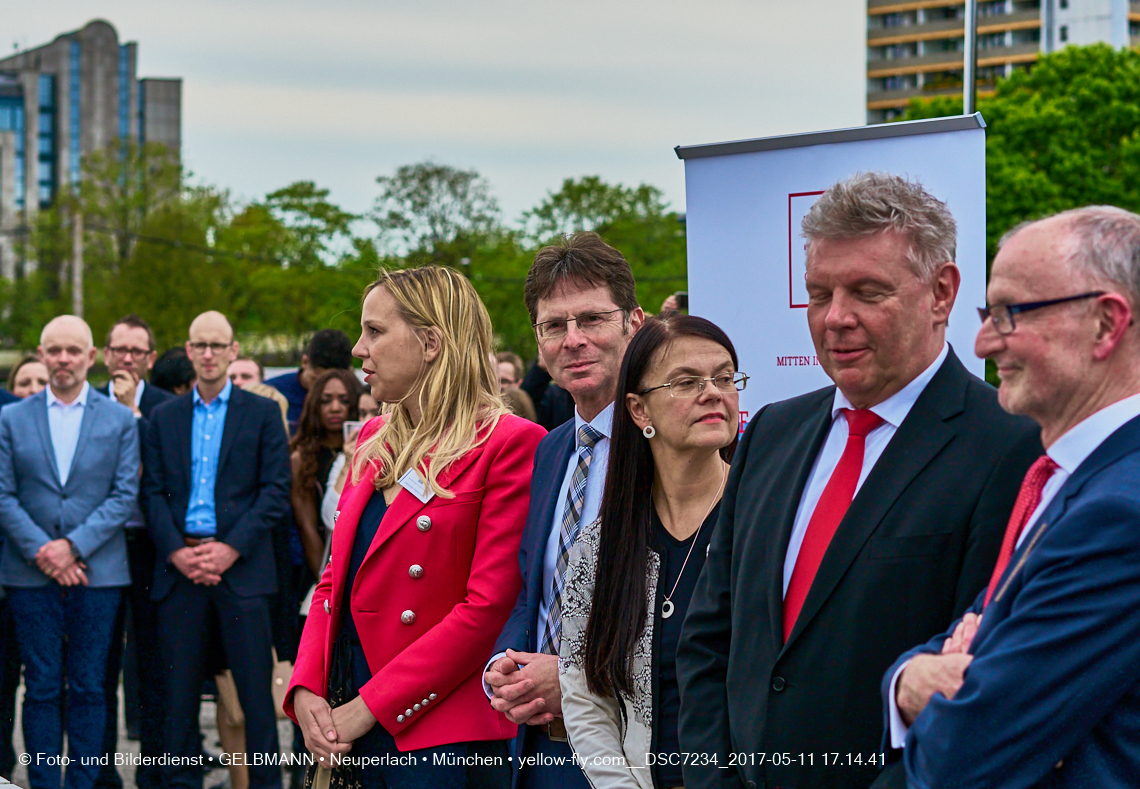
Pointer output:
x,y
744,204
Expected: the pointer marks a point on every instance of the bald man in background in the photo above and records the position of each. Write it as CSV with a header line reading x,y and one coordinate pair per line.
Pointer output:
x,y
69,465
216,481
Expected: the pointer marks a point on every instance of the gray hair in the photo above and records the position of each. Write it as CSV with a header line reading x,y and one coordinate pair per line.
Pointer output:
x,y
1104,244
867,204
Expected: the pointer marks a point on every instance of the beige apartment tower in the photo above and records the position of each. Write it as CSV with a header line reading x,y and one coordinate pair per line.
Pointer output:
x,y
62,101
915,48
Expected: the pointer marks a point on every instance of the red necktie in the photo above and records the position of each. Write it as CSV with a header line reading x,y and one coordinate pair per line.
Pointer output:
x,y
1027,500
829,511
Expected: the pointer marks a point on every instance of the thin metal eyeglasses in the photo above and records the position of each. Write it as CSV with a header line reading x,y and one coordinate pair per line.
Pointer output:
x,y
1002,314
138,353
587,324
692,385
216,347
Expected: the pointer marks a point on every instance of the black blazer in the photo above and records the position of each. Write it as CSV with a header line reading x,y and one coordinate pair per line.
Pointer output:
x,y
152,397
251,494
918,543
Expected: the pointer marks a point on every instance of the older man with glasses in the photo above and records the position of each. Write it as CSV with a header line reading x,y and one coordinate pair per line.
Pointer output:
x,y
1036,684
216,480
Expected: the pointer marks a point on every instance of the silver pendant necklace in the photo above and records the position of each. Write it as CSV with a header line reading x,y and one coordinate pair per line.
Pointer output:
x,y
667,606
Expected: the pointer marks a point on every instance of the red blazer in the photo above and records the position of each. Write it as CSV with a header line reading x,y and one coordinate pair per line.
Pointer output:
x,y
427,685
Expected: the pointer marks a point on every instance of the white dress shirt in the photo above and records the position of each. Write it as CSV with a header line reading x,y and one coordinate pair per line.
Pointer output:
x,y
595,485
64,421
1068,452
893,411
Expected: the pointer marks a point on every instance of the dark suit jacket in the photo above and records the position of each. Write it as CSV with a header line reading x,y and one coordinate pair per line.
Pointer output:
x,y
251,494
918,542
522,630
1052,697
152,397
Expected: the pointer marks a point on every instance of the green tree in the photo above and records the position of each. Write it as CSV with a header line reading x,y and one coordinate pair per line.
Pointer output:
x,y
425,207
589,203
1063,135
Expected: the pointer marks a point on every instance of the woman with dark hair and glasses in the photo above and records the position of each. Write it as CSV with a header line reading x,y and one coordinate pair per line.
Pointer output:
x,y
633,570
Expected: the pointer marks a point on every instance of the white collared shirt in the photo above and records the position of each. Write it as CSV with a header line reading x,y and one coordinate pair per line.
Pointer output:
x,y
64,421
893,411
138,393
1068,452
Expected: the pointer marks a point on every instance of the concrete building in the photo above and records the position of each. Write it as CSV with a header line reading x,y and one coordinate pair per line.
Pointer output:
x,y
66,99
915,47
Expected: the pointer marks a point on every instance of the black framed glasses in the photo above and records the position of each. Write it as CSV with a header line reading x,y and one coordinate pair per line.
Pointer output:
x,y
591,322
138,353
1003,314
692,385
215,347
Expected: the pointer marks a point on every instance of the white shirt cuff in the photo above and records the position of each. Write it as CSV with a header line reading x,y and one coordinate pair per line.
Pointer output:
x,y
487,688
898,728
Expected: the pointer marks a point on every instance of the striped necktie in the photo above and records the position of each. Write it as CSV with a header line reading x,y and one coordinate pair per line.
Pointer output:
x,y
567,535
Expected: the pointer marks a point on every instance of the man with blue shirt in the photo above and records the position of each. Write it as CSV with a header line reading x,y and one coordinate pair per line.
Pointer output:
x,y
216,480
581,299
69,464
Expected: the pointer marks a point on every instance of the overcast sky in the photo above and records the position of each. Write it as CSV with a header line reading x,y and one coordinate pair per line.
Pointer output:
x,y
527,93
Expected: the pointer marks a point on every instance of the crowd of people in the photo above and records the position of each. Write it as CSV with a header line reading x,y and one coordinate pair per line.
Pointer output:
x,y
465,573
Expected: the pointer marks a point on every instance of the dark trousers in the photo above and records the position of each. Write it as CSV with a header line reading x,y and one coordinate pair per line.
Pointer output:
x,y
46,616
10,665
558,771
247,641
143,614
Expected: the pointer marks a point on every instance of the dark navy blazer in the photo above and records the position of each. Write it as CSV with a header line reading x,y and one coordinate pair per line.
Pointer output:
x,y
251,494
550,462
1052,697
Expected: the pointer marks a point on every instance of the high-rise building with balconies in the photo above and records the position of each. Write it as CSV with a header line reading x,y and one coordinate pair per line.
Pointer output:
x,y
915,48
64,100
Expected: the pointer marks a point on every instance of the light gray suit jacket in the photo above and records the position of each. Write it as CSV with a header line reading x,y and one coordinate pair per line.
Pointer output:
x,y
90,510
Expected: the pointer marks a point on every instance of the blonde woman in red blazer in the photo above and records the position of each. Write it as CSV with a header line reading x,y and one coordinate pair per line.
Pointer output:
x,y
424,570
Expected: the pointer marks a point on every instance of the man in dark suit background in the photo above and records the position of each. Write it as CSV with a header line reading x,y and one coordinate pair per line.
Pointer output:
x,y
129,354
216,479
855,517
581,299
1036,686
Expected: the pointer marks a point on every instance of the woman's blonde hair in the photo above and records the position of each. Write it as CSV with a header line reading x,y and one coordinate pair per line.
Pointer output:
x,y
459,397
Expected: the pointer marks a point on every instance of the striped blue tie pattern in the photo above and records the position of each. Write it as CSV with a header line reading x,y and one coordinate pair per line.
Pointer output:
x,y
567,535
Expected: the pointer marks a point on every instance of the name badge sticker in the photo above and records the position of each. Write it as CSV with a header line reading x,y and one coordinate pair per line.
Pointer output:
x,y
412,483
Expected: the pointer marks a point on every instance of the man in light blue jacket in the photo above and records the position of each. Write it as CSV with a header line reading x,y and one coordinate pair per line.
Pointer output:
x,y
69,469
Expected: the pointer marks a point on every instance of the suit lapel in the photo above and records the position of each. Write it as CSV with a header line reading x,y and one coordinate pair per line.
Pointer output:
x,y
85,426
1124,441
919,439
803,447
184,432
405,506
235,411
40,417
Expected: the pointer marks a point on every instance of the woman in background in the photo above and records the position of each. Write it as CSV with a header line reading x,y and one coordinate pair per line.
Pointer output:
x,y
331,401
633,571
367,408
424,568
28,377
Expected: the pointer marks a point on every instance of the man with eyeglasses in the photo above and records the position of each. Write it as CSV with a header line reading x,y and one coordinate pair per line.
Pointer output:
x,y
216,481
855,517
581,299
129,354
1036,685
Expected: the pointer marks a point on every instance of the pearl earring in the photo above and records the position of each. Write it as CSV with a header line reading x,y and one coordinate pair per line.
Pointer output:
x,y
648,431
